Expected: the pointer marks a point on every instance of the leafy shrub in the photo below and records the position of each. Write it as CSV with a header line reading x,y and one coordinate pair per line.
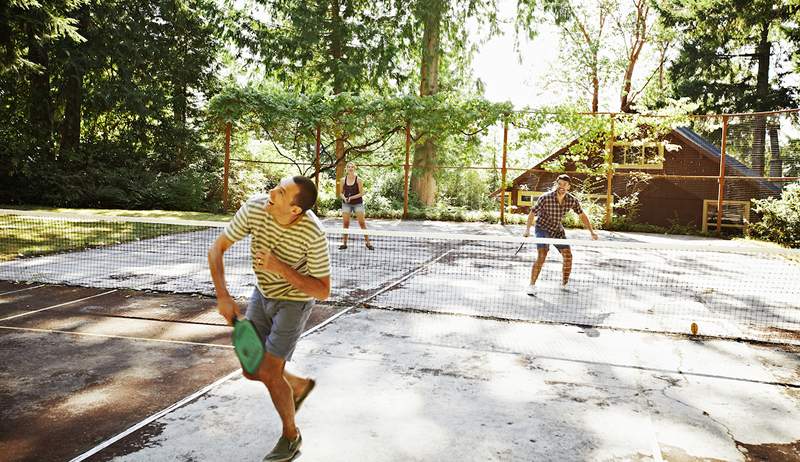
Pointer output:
x,y
780,218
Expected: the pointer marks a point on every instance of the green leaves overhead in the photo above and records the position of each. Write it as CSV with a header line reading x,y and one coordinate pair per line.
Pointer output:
x,y
732,52
274,108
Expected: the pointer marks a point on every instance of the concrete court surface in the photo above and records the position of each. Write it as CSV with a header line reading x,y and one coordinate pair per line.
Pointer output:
x,y
79,365
397,386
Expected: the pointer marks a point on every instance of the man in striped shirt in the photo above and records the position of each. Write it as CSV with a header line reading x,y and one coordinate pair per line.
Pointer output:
x,y
290,259
548,213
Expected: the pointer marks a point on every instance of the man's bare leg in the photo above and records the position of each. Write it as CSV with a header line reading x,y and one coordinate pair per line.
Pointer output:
x,y
537,265
298,384
271,374
566,255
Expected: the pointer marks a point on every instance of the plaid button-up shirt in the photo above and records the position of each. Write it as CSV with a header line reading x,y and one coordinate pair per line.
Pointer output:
x,y
549,212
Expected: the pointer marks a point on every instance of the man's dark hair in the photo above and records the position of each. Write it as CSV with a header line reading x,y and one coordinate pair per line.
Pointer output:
x,y
564,177
306,195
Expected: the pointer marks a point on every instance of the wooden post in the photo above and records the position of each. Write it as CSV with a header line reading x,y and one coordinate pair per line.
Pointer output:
x,y
227,166
503,174
407,168
610,173
316,159
721,193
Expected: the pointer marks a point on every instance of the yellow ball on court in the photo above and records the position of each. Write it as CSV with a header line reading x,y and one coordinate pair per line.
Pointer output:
x,y
694,328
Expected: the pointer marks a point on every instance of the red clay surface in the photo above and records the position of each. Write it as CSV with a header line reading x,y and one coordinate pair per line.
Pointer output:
x,y
77,374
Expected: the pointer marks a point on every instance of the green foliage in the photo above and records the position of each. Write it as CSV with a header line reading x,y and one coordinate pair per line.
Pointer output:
x,y
780,218
143,71
719,43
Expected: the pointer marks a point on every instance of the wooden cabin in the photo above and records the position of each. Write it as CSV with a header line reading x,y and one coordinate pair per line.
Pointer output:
x,y
682,181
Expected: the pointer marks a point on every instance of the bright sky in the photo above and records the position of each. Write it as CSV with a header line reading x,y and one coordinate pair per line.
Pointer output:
x,y
509,75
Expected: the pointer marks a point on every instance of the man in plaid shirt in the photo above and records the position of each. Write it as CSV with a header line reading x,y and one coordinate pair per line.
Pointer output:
x,y
548,213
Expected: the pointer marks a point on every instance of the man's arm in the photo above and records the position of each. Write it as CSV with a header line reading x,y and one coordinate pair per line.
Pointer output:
x,y
319,288
226,305
588,225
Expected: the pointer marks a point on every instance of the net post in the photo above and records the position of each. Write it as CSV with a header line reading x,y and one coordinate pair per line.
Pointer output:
x,y
318,148
406,168
503,173
316,159
721,192
609,172
226,167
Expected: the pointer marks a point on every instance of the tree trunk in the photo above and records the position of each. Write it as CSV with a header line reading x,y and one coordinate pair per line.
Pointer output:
x,y
637,43
762,92
39,103
336,52
73,93
423,180
775,160
595,86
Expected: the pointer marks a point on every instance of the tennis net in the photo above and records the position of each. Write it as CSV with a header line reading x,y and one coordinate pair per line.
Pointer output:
x,y
728,289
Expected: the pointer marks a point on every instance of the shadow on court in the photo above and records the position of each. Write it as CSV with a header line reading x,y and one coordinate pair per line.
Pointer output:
x,y
398,386
80,365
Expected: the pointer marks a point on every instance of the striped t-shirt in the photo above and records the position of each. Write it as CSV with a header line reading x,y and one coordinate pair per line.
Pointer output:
x,y
302,246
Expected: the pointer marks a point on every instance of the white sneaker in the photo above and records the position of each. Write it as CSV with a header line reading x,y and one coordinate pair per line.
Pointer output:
x,y
531,290
568,290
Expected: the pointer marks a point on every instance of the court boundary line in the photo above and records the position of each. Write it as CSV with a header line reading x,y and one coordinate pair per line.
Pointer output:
x,y
125,337
154,417
177,405
21,290
27,313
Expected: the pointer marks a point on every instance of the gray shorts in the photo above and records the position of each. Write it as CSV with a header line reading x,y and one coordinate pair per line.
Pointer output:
x,y
352,208
279,323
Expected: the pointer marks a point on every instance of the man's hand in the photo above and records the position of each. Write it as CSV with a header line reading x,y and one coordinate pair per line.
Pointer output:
x,y
228,308
269,262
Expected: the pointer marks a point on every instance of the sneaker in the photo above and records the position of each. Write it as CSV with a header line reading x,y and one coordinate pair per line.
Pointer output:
x,y
343,246
370,247
568,290
531,290
302,396
285,450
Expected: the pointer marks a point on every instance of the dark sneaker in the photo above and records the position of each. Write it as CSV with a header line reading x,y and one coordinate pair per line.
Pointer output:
x,y
285,450
343,246
370,247
302,396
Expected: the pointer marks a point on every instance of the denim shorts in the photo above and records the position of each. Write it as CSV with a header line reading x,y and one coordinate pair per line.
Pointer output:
x,y
352,208
279,323
543,233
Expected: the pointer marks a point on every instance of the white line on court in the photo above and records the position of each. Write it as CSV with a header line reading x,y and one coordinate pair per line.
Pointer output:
x,y
189,398
127,337
233,374
55,306
153,417
21,290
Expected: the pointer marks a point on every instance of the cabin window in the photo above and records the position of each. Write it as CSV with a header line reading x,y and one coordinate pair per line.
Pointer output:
x,y
638,155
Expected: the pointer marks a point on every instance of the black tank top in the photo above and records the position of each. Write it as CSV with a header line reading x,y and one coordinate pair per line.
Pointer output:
x,y
352,190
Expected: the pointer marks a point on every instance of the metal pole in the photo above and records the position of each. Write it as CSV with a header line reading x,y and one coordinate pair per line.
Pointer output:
x,y
503,174
721,192
227,167
407,168
610,173
316,159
